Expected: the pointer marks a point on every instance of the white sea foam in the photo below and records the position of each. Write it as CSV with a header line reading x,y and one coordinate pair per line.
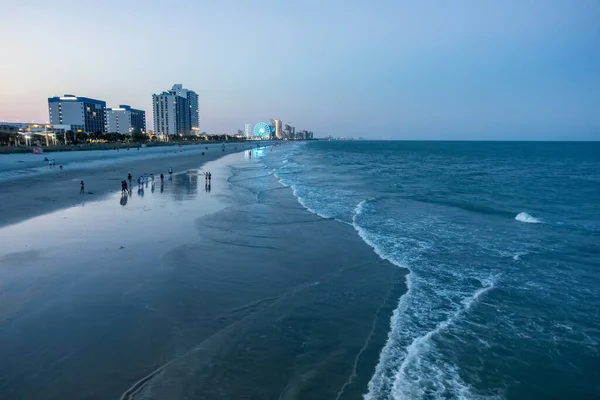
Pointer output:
x,y
296,191
406,386
401,370
409,365
524,217
302,201
363,234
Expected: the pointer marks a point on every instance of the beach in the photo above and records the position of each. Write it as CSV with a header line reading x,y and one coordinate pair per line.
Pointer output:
x,y
29,187
334,270
185,290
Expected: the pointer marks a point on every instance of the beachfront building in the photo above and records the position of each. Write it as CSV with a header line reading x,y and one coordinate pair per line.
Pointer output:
x,y
176,112
126,120
171,114
289,132
278,130
82,113
192,98
248,130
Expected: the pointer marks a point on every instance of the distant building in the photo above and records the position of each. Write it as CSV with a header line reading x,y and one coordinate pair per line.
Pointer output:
x,y
304,135
287,131
82,113
248,130
126,120
192,98
278,130
171,114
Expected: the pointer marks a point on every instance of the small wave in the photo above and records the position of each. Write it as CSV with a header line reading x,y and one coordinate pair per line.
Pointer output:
x,y
403,384
524,217
358,210
469,207
286,183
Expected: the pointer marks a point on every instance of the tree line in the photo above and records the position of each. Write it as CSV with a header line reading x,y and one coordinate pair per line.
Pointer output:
x,y
70,137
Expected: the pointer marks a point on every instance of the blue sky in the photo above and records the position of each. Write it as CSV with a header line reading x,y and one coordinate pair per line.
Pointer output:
x,y
464,69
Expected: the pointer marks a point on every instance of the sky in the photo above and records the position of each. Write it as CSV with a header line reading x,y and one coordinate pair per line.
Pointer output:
x,y
381,69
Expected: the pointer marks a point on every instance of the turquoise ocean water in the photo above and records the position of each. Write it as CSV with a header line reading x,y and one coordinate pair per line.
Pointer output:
x,y
502,241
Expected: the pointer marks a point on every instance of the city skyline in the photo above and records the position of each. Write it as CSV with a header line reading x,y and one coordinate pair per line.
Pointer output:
x,y
466,70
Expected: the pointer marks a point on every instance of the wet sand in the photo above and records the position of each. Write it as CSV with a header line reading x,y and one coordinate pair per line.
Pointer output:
x,y
183,293
33,195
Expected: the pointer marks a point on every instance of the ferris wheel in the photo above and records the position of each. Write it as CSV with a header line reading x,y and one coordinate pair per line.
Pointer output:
x,y
262,130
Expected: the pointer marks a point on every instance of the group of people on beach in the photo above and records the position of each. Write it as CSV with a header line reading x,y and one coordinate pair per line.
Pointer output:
x,y
149,179
143,180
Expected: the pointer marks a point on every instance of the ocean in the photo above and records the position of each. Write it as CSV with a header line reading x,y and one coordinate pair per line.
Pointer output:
x,y
502,244
315,270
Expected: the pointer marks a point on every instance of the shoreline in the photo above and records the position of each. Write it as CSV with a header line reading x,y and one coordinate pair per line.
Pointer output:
x,y
238,293
41,193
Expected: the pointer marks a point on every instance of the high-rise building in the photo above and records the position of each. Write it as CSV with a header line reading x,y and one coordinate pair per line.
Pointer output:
x,y
171,114
288,131
125,120
248,130
278,130
192,98
82,113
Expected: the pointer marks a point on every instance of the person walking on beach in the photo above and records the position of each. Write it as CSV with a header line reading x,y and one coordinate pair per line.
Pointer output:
x,y
162,178
129,178
170,171
209,177
82,187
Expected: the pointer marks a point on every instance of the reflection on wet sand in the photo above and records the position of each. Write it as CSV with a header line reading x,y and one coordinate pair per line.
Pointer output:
x,y
96,298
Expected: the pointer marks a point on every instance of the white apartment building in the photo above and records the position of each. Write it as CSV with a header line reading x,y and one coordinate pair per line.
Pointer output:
x,y
125,120
171,114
